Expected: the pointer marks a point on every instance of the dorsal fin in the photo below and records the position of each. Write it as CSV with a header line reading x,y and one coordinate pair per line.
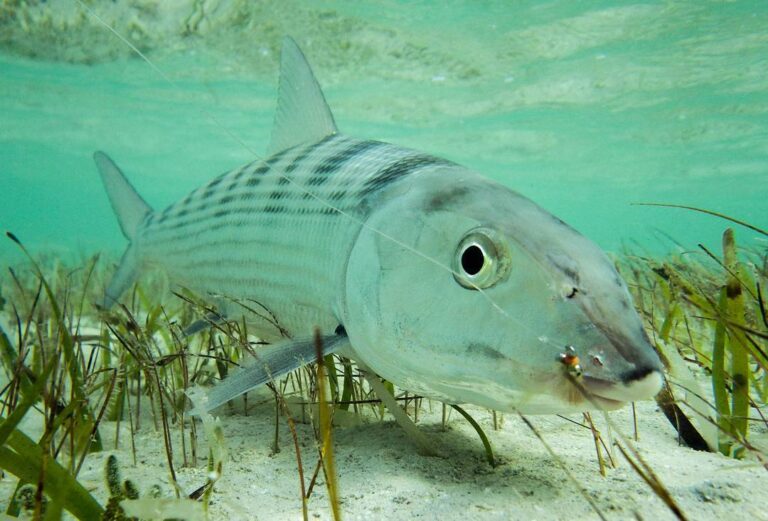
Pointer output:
x,y
302,113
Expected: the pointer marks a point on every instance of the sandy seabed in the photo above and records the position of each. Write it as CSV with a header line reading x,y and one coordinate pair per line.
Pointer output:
x,y
382,475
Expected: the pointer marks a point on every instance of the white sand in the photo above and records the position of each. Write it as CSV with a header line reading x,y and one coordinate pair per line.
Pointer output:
x,y
382,475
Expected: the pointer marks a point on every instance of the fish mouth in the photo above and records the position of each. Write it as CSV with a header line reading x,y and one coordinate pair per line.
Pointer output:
x,y
634,385
624,369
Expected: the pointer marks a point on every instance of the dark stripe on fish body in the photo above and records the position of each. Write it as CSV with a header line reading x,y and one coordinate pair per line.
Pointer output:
x,y
307,151
164,215
243,171
297,162
277,157
256,176
177,221
333,163
180,224
251,217
215,243
240,173
323,171
210,189
241,264
201,208
263,169
398,169
247,211
253,180
216,181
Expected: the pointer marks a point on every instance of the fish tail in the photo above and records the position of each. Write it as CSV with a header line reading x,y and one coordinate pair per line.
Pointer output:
x,y
131,211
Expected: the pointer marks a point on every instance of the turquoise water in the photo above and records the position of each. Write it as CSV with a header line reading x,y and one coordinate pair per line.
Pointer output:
x,y
586,107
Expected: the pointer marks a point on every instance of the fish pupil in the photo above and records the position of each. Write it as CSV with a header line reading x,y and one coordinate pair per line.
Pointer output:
x,y
472,260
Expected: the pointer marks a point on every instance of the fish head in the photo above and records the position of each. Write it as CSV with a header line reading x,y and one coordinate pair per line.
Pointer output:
x,y
463,290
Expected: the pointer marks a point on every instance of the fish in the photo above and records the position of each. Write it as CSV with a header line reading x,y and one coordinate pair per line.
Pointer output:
x,y
422,271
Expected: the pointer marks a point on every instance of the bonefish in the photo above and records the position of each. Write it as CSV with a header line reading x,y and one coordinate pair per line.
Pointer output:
x,y
423,271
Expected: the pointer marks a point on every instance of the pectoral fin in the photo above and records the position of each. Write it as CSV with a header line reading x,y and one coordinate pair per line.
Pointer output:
x,y
211,319
271,363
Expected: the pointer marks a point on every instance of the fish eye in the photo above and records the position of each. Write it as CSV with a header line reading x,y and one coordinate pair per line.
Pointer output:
x,y
472,259
480,260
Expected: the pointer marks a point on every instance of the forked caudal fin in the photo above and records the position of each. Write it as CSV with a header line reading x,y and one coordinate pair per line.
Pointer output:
x,y
131,210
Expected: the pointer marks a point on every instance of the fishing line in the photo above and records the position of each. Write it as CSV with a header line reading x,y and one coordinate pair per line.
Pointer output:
x,y
362,223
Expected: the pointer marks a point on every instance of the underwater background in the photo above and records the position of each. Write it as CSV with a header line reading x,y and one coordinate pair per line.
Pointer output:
x,y
585,107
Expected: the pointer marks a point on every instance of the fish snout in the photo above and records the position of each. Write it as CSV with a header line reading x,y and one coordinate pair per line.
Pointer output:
x,y
643,385
627,369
